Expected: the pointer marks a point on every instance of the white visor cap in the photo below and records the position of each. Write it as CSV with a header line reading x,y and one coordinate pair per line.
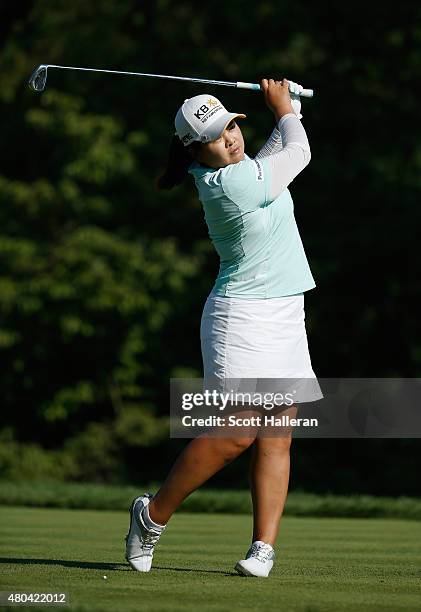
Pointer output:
x,y
202,118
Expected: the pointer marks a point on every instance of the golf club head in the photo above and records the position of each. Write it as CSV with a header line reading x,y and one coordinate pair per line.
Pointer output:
x,y
38,78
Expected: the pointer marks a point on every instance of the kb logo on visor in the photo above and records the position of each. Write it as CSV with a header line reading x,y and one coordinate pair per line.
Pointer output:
x,y
201,112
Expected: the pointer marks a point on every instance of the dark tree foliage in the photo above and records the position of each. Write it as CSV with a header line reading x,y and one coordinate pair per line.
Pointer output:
x,y
103,277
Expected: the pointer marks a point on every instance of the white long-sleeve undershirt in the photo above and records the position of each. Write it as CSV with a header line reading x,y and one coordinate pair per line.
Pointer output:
x,y
288,152
272,145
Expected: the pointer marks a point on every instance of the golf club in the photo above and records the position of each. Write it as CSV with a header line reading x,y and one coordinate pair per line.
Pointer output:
x,y
38,78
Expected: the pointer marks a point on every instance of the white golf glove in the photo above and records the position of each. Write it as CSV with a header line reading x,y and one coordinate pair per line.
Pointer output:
x,y
294,90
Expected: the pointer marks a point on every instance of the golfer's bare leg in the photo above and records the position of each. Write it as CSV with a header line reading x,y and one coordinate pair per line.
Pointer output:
x,y
269,479
200,460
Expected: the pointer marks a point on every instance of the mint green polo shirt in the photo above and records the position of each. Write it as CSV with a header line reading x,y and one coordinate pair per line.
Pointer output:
x,y
257,240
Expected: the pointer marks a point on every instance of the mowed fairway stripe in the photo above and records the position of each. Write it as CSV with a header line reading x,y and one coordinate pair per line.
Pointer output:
x,y
322,564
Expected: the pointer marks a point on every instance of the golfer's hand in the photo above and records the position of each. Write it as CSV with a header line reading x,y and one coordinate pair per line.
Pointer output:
x,y
295,90
277,96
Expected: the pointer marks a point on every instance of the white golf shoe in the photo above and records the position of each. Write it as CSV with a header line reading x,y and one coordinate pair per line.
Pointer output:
x,y
258,562
143,535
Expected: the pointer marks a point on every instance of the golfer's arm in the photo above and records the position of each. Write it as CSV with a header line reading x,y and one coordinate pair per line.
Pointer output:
x,y
286,164
272,145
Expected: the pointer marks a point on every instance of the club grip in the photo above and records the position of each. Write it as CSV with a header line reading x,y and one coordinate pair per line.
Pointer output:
x,y
306,93
242,85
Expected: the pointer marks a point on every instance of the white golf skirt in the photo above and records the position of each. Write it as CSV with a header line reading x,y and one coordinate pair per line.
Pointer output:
x,y
245,342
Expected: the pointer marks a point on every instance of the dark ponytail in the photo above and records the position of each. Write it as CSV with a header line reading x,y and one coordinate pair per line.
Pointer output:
x,y
179,160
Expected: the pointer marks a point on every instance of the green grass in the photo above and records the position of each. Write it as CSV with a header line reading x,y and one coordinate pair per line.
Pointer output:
x,y
107,497
323,564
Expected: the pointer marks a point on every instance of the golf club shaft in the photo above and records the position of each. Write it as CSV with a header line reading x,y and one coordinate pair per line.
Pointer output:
x,y
306,93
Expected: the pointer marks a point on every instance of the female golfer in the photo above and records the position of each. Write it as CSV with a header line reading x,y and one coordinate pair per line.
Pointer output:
x,y
253,321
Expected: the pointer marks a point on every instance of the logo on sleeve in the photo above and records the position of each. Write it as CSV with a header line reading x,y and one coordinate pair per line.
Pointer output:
x,y
258,170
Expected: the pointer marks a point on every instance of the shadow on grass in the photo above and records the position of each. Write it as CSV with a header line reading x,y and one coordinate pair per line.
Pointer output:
x,y
192,569
116,567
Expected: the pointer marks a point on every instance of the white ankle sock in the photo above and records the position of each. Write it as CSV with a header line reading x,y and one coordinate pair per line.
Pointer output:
x,y
149,522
